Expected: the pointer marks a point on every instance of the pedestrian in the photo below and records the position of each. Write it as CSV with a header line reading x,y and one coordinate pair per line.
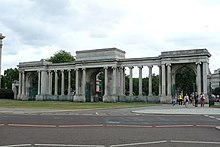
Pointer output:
x,y
173,100
186,100
181,99
202,99
196,97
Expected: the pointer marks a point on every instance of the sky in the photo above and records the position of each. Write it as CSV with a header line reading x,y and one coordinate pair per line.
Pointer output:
x,y
37,29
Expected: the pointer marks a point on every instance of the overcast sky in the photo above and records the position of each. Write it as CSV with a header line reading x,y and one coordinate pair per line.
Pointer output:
x,y
36,29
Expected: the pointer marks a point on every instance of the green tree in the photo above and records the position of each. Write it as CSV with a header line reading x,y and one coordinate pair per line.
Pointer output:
x,y
185,78
61,57
10,75
216,91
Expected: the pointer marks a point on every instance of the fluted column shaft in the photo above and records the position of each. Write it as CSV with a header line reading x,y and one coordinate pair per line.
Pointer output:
x,y
198,77
169,79
163,80
106,81
20,83
23,83
69,82
114,80
39,82
150,81
62,82
56,83
84,81
140,81
77,81
122,80
205,74
131,81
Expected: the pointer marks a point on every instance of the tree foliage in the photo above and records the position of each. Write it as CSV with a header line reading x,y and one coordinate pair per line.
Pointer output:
x,y
10,75
61,57
185,78
216,91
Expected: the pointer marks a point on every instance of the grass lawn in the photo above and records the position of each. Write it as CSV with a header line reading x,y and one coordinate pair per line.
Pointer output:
x,y
67,105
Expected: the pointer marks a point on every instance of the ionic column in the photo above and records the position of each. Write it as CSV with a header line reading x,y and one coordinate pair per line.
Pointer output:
x,y
20,82
39,82
122,80
169,79
56,83
114,80
198,77
69,81
50,84
84,81
205,74
131,81
23,84
106,81
140,81
160,81
163,80
62,82
77,81
150,81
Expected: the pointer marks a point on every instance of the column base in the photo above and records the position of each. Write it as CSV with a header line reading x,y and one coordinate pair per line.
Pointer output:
x,y
108,98
79,98
165,99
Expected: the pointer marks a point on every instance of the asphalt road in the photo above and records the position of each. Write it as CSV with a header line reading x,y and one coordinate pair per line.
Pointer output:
x,y
108,128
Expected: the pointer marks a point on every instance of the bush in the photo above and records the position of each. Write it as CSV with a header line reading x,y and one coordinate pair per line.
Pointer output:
x,y
6,94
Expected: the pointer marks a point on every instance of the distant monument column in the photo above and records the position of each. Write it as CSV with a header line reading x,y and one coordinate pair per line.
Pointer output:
x,y
150,80
163,81
169,80
131,81
1,38
106,81
198,78
140,80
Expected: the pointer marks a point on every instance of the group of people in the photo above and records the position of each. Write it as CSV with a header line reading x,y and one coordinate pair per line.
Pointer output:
x,y
193,98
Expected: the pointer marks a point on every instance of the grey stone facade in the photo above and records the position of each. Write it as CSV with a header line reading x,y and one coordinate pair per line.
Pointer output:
x,y
112,62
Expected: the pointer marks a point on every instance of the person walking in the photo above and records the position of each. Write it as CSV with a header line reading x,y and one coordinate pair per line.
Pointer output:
x,y
181,99
186,100
202,99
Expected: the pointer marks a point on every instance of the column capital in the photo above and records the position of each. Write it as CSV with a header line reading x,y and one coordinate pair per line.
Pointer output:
x,y
197,63
55,71
114,67
105,67
69,70
76,69
38,71
49,71
150,66
84,68
62,70
131,67
140,66
121,67
168,64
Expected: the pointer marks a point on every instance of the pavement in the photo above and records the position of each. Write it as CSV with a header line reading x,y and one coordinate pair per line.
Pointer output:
x,y
179,110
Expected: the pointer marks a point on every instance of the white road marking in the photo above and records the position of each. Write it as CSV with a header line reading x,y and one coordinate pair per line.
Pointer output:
x,y
68,145
194,142
140,143
75,126
172,126
211,116
213,126
137,126
97,113
16,145
28,125
217,118
2,125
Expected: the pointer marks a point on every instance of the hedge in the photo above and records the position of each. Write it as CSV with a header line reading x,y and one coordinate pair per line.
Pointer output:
x,y
6,94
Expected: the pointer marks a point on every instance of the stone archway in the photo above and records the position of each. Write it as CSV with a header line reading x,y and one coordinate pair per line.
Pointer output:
x,y
31,85
185,79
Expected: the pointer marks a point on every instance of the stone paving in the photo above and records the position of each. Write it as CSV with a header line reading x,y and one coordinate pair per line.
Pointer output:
x,y
179,109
